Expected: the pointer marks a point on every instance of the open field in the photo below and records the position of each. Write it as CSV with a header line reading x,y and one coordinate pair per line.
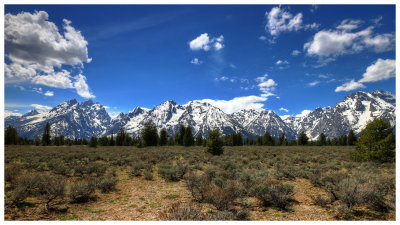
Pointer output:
x,y
174,182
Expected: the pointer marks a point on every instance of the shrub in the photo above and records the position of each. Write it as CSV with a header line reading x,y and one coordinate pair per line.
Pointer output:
x,y
82,192
273,193
198,186
221,215
11,172
172,173
148,175
49,188
183,211
24,187
107,184
320,200
97,168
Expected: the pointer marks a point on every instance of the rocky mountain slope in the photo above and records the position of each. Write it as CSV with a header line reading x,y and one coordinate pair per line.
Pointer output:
x,y
86,119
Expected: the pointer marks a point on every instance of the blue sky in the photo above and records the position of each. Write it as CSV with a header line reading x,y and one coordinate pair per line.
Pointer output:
x,y
284,58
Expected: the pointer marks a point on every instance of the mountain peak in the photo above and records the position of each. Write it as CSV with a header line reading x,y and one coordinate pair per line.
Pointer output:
x,y
31,113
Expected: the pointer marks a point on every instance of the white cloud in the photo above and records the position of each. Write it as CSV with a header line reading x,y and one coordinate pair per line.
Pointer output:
x,y
223,78
349,24
312,26
295,53
312,84
262,38
57,80
380,70
280,62
349,86
196,61
328,44
267,87
49,93
279,20
304,113
38,52
9,113
233,66
82,88
324,76
237,104
283,109
204,42
41,108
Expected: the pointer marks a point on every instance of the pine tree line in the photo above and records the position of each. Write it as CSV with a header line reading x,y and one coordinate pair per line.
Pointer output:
x,y
150,137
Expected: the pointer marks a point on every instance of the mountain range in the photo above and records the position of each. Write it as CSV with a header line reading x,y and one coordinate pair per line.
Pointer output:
x,y
83,120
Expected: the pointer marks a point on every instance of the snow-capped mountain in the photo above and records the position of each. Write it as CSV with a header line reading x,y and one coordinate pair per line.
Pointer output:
x,y
353,112
86,119
70,118
202,117
258,122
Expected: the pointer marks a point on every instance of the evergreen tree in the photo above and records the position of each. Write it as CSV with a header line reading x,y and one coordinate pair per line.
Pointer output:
x,y
150,134
182,130
238,139
10,136
351,138
329,142
199,140
259,141
268,139
46,140
93,142
120,141
322,139
376,143
112,142
188,139
85,141
342,140
37,141
103,141
281,139
163,136
214,143
302,139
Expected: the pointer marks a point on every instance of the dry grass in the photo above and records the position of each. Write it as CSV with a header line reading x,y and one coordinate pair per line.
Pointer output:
x,y
136,198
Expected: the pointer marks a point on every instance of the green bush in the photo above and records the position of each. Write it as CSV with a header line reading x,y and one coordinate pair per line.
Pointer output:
x,y
82,192
107,183
221,215
273,194
148,175
183,211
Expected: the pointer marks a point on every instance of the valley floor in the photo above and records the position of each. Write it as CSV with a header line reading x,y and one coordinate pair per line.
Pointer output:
x,y
157,183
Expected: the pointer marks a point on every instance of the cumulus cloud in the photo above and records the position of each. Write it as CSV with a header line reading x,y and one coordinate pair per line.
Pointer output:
x,y
196,61
266,86
283,109
49,93
39,53
304,113
279,20
380,70
204,42
328,44
41,108
349,86
237,104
